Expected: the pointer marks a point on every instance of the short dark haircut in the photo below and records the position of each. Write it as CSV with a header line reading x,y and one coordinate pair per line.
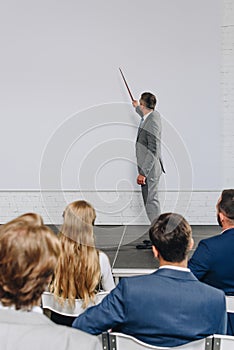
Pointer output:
x,y
149,100
171,234
226,203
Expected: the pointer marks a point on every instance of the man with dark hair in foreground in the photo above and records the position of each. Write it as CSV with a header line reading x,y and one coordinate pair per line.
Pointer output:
x,y
213,260
169,307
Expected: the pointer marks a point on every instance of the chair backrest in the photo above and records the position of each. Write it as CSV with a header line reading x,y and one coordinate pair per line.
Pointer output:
x,y
230,303
120,341
223,342
50,302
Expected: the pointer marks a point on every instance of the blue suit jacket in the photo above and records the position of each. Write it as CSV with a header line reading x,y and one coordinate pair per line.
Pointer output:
x,y
213,261
166,308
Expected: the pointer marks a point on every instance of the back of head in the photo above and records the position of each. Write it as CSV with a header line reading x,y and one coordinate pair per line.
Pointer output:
x,y
78,270
31,218
79,217
226,204
171,235
28,256
149,100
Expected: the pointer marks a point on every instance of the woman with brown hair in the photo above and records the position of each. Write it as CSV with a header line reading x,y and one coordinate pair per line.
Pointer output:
x,y
82,270
28,256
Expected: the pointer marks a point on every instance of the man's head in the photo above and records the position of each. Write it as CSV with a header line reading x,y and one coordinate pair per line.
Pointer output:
x,y
147,102
171,236
225,209
28,257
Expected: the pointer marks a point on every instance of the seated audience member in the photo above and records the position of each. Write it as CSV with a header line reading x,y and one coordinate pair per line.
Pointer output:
x,y
82,270
28,256
167,308
213,260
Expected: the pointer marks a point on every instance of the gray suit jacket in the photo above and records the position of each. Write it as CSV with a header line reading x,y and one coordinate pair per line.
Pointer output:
x,y
21,330
148,145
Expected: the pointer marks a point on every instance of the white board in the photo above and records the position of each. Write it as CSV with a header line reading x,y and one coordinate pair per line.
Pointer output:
x,y
67,122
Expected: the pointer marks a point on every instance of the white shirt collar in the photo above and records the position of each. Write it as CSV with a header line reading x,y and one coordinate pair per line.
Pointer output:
x,y
173,267
229,228
146,115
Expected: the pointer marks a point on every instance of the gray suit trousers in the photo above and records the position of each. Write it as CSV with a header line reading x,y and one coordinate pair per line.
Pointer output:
x,y
150,197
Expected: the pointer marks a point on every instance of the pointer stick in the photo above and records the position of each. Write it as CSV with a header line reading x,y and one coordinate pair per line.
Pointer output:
x,y
126,85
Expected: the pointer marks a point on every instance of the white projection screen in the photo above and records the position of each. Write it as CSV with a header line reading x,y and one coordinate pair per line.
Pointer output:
x,y
66,117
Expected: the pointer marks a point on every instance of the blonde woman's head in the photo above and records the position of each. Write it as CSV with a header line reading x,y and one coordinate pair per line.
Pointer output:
x,y
79,218
78,272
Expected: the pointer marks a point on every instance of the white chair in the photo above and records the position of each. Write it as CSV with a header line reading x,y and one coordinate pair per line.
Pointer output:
x,y
50,302
230,303
120,341
223,342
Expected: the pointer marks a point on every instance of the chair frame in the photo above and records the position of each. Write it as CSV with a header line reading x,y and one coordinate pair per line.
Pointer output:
x,y
230,303
50,302
218,338
109,342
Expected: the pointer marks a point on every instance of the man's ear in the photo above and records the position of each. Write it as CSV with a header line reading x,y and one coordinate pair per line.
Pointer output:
x,y
221,216
155,251
191,244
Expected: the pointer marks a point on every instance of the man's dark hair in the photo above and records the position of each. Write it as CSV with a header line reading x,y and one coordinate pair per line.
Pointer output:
x,y
171,234
149,100
226,204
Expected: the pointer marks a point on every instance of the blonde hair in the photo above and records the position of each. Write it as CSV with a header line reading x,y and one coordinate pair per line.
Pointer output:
x,y
28,256
78,270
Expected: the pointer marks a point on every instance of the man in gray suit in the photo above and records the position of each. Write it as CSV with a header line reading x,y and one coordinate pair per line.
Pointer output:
x,y
28,256
148,153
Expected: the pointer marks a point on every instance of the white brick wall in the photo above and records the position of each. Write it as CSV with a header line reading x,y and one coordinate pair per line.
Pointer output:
x,y
112,208
127,207
227,83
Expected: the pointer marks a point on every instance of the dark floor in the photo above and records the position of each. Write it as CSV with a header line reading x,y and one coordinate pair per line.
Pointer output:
x,y
119,243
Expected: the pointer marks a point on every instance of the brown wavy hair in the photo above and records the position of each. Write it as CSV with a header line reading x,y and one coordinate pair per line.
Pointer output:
x,y
28,256
78,270
30,218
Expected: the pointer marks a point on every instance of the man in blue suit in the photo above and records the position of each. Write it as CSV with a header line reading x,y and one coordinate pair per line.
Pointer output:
x,y
213,260
169,307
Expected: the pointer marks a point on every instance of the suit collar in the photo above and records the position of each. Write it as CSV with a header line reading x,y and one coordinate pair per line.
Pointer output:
x,y
146,115
176,274
146,118
173,267
228,230
144,123
23,317
37,309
